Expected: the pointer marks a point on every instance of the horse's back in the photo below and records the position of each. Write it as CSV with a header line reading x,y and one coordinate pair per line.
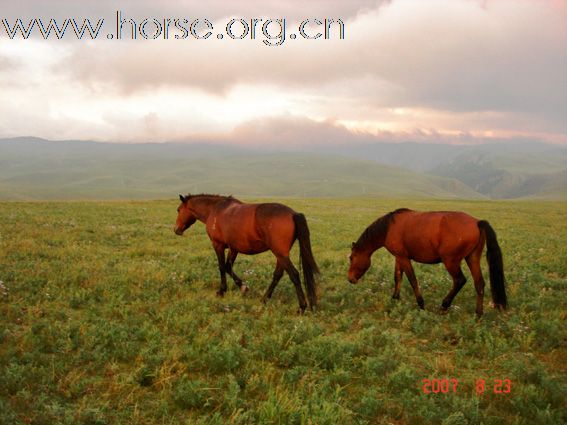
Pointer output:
x,y
269,210
433,236
254,228
432,220
449,220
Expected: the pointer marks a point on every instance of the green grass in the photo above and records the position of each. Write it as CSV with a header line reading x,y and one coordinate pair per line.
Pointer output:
x,y
107,317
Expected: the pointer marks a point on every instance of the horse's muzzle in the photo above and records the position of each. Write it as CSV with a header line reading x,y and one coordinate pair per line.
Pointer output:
x,y
178,231
352,279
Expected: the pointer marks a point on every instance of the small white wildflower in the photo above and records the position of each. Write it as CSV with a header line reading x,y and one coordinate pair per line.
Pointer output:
x,y
3,289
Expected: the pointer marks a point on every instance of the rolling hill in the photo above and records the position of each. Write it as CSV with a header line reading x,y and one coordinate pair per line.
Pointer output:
x,y
33,168
39,169
507,175
505,170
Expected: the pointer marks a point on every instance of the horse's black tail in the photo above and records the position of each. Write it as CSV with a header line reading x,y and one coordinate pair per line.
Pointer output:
x,y
495,265
308,263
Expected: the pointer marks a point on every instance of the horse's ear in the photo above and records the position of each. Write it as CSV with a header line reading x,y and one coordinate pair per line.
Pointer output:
x,y
181,198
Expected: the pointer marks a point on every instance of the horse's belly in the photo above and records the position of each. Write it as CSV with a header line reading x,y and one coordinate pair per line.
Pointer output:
x,y
423,252
249,247
426,259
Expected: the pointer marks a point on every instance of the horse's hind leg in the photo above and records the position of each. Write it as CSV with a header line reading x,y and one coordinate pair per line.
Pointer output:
x,y
294,276
407,268
278,273
219,250
473,261
229,269
398,276
459,280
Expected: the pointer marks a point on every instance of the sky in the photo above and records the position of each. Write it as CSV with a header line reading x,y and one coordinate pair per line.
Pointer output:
x,y
440,71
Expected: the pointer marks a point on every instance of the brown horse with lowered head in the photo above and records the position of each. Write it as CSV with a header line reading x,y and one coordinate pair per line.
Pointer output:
x,y
433,237
252,229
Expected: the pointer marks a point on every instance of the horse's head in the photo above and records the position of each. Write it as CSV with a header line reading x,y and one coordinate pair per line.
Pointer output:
x,y
185,217
359,263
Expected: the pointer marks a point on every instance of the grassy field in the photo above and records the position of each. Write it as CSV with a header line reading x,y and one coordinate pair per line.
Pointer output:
x,y
107,317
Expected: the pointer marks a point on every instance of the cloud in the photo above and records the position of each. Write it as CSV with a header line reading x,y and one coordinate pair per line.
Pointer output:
x,y
470,58
6,64
288,131
435,68
444,54
212,9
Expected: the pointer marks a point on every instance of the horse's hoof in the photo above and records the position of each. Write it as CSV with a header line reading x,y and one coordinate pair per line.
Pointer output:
x,y
243,289
396,297
220,294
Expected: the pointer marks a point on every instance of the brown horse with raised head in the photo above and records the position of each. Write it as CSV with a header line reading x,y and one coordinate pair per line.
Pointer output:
x,y
433,237
252,229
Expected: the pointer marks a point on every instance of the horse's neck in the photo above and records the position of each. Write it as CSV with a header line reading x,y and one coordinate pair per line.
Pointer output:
x,y
374,243
202,207
374,237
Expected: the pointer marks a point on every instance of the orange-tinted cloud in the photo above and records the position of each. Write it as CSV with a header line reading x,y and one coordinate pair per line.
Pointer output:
x,y
435,68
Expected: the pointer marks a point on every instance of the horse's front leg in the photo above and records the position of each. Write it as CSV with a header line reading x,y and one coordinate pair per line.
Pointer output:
x,y
219,250
407,268
229,269
398,276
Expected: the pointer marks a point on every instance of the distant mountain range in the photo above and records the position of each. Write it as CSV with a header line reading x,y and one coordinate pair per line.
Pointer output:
x,y
32,168
499,171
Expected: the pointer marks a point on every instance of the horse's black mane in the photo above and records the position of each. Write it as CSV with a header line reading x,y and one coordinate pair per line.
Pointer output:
x,y
379,228
210,198
209,195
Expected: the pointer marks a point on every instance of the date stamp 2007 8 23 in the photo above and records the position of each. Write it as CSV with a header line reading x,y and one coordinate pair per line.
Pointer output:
x,y
450,385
